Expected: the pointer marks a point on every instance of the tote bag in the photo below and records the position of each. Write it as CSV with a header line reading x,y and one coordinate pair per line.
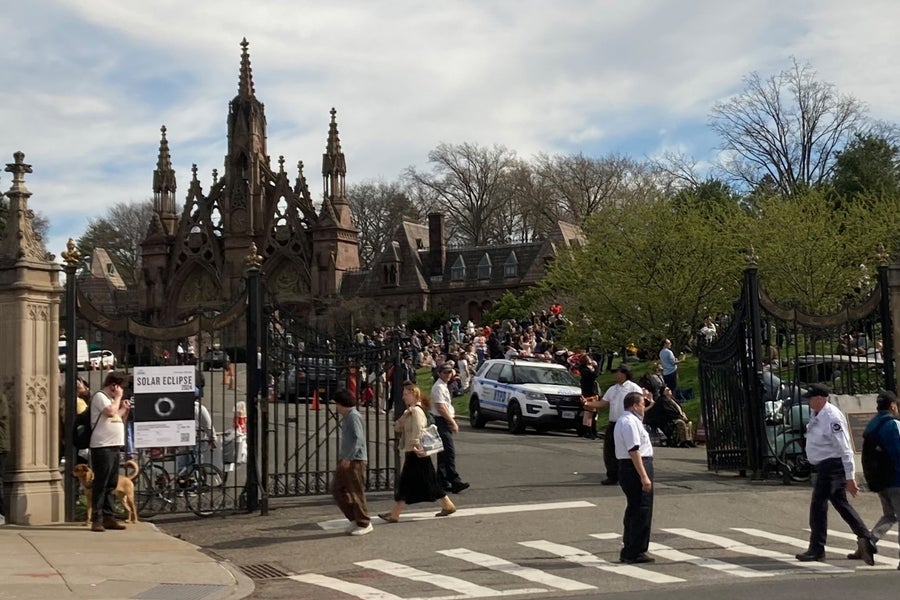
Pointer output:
x,y
431,441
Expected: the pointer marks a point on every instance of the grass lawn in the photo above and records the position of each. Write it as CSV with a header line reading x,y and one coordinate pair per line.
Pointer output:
x,y
425,381
687,379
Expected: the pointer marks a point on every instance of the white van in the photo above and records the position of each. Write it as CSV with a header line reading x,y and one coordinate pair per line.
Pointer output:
x,y
81,349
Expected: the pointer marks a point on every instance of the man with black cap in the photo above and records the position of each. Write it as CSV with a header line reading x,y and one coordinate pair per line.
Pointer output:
x,y
886,428
613,398
831,456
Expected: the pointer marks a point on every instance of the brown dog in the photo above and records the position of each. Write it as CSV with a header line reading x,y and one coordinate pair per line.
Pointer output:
x,y
124,489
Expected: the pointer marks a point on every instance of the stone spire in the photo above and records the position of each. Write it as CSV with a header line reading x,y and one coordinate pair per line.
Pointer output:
x,y
164,186
245,79
334,172
20,241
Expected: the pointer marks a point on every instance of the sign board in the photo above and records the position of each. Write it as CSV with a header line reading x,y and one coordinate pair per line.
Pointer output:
x,y
857,423
164,406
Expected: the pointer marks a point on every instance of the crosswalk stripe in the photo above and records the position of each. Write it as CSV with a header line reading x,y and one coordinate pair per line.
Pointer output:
x,y
883,560
578,556
669,553
882,543
454,584
333,524
803,544
740,548
534,575
363,592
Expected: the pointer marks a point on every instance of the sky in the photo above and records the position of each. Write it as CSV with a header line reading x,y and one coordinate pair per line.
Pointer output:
x,y
88,83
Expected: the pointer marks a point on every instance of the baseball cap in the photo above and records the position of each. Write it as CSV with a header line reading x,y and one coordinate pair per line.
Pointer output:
x,y
816,390
447,366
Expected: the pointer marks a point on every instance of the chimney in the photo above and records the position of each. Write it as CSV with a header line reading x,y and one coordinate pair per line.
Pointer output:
x,y
437,244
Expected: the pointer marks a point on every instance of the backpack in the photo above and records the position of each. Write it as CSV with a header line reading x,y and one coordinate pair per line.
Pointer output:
x,y
876,464
82,429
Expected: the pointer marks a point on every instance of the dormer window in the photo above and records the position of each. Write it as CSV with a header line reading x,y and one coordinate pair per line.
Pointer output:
x,y
110,269
511,266
420,245
392,274
484,267
458,270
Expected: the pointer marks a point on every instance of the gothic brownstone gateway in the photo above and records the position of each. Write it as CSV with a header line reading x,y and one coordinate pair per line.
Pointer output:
x,y
196,261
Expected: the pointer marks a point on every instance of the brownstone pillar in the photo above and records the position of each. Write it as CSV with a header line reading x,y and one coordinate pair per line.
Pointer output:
x,y
29,372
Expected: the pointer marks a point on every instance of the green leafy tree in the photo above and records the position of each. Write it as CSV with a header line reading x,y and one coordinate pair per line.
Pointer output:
x,y
818,255
869,164
518,306
650,270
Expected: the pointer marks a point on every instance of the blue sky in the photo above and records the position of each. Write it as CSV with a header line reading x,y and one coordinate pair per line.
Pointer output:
x,y
87,83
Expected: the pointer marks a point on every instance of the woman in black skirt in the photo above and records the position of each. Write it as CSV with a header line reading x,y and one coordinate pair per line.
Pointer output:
x,y
418,479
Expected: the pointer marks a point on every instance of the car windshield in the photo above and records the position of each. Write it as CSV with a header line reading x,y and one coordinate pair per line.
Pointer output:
x,y
529,374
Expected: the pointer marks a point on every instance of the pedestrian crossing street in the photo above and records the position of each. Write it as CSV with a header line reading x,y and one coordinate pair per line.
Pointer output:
x,y
532,568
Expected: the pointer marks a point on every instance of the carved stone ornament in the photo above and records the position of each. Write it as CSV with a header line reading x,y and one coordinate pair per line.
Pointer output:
x,y
21,241
253,260
198,289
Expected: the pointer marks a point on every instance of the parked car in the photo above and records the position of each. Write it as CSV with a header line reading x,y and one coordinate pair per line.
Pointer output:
x,y
214,358
103,359
81,352
309,373
525,392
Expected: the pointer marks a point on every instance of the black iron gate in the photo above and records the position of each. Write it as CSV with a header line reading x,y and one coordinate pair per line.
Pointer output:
x,y
305,367
753,374
213,476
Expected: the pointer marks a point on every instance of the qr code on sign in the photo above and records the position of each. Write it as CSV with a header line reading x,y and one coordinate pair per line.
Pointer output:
x,y
185,437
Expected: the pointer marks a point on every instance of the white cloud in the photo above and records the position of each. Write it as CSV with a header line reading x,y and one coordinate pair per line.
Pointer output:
x,y
89,83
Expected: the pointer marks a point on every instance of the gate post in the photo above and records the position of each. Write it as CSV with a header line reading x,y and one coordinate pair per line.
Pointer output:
x,y
753,415
887,330
251,487
71,256
29,372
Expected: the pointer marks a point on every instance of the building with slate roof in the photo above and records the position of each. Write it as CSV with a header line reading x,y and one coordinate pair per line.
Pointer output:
x,y
418,271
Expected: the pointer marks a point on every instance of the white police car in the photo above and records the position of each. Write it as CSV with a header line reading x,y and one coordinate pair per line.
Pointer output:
x,y
525,392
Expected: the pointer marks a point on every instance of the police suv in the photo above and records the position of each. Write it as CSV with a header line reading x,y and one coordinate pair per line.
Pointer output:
x,y
525,392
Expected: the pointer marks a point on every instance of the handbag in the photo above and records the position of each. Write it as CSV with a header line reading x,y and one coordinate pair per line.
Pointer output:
x,y
431,441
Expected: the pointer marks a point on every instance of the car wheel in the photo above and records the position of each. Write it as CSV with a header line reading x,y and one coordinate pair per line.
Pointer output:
x,y
514,420
476,419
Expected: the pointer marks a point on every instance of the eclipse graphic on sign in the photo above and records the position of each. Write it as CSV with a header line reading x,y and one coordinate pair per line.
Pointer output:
x,y
164,406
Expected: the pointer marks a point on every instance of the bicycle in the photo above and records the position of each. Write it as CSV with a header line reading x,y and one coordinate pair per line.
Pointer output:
x,y
202,485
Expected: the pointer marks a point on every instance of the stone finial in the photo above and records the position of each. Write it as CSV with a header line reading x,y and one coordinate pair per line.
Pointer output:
x,y
751,257
21,241
71,255
281,163
215,176
253,260
883,256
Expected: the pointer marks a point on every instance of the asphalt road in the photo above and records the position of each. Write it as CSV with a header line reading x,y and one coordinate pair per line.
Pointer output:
x,y
718,534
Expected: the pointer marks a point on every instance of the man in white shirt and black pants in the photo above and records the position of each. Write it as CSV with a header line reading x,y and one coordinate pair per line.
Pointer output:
x,y
635,455
831,456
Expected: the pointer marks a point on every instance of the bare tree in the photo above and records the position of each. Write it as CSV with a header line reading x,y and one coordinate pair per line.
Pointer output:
x,y
578,185
120,233
787,127
467,182
377,208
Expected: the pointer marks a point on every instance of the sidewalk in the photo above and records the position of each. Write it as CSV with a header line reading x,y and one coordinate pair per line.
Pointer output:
x,y
68,561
